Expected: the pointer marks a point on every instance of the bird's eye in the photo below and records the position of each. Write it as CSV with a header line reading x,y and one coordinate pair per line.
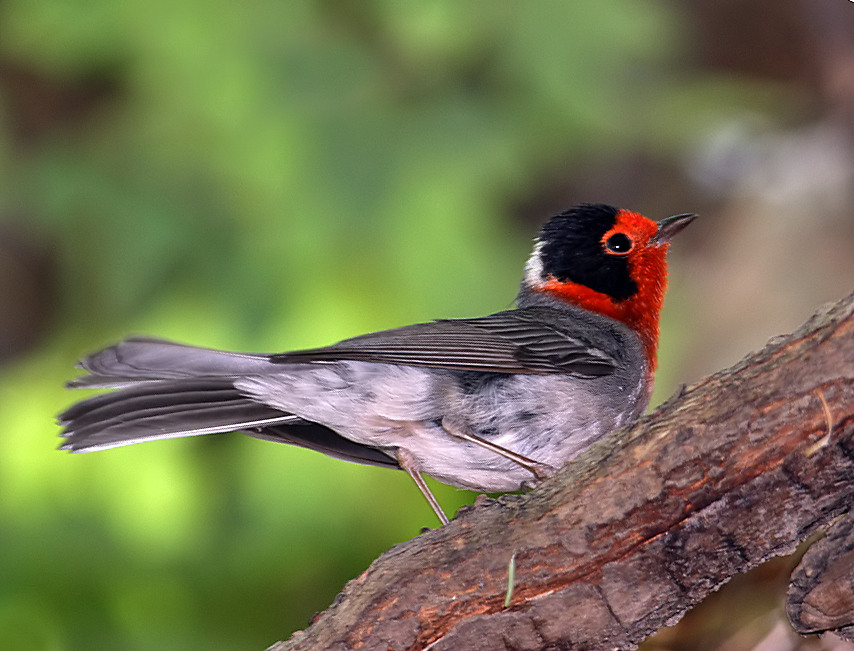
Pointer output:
x,y
618,243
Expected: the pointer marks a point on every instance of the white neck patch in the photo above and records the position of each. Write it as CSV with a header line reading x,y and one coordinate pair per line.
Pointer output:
x,y
534,266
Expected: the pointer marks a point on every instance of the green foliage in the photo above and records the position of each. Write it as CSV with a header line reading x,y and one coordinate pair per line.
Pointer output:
x,y
271,175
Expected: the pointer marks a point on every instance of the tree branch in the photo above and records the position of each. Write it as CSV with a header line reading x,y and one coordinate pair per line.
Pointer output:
x,y
727,474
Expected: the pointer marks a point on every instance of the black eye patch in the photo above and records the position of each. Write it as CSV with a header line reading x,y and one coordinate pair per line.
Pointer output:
x,y
573,250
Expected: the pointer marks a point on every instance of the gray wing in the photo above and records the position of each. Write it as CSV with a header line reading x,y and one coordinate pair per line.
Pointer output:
x,y
516,341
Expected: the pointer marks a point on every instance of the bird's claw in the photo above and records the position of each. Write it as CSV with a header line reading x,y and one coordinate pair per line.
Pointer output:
x,y
541,472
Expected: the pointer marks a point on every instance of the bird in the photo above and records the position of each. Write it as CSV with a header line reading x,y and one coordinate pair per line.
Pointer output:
x,y
495,403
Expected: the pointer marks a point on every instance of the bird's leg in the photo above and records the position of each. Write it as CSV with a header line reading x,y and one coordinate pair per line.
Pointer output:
x,y
539,470
406,461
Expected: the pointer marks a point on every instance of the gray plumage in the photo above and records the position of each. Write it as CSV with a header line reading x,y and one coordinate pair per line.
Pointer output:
x,y
544,380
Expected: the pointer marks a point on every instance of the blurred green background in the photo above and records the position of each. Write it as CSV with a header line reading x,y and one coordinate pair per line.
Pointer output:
x,y
273,175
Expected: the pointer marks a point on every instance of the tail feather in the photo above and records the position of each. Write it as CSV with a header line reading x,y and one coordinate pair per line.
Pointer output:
x,y
155,390
144,359
121,411
161,411
164,390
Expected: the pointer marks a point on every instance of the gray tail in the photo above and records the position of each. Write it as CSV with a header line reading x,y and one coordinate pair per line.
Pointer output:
x,y
166,390
141,359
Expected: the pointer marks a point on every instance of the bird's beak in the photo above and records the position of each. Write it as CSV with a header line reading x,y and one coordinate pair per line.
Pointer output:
x,y
669,226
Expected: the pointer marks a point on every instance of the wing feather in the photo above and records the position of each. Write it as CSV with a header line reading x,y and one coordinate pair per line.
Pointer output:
x,y
516,341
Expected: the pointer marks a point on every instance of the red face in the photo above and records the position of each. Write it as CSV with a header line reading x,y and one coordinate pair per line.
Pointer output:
x,y
608,261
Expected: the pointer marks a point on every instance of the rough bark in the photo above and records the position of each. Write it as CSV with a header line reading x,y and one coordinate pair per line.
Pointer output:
x,y
821,595
728,473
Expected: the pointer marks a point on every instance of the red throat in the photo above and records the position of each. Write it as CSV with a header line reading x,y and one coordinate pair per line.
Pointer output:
x,y
648,269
